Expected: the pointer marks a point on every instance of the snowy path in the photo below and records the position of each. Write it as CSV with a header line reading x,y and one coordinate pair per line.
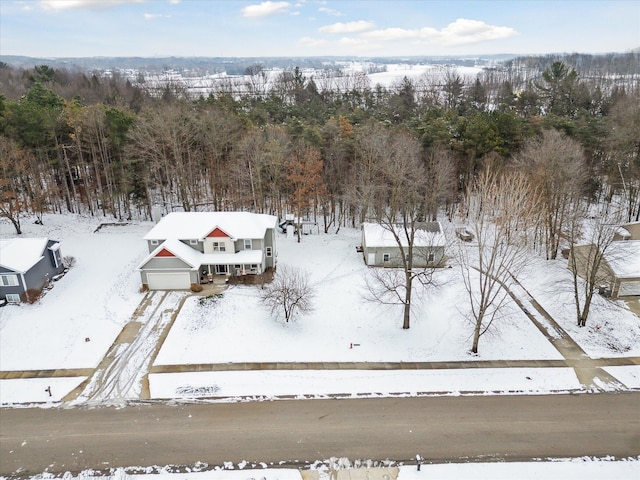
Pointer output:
x,y
119,377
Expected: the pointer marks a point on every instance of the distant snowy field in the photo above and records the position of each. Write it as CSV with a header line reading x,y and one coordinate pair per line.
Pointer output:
x,y
98,296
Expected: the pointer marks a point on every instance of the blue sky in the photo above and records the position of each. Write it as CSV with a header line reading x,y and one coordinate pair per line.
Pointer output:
x,y
79,28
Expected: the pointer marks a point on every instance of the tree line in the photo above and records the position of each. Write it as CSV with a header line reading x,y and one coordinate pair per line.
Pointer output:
x,y
521,158
321,147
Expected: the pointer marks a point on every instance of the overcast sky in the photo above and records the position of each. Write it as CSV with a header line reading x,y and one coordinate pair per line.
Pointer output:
x,y
79,28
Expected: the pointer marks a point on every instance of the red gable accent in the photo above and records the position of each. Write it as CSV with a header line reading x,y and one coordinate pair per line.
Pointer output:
x,y
164,253
217,233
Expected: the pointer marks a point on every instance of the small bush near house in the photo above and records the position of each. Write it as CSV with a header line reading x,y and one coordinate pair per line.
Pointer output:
x,y
68,261
209,299
196,287
144,288
32,295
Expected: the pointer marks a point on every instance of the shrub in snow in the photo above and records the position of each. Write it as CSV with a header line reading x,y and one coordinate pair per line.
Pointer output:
x,y
32,295
68,261
289,293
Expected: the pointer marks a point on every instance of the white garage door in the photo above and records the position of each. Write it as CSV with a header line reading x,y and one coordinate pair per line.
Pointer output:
x,y
169,281
629,288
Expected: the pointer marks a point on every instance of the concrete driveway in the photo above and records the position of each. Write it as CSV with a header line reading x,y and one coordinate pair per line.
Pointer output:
x,y
633,303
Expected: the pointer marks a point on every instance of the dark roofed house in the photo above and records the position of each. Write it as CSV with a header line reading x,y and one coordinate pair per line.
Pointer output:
x,y
27,264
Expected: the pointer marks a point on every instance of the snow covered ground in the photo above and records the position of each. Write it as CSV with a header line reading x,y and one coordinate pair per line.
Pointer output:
x,y
98,296
74,324
586,468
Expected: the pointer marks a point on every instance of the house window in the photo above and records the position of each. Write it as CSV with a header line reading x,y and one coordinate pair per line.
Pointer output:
x,y
8,280
269,251
431,257
13,298
219,247
155,242
386,257
247,244
193,242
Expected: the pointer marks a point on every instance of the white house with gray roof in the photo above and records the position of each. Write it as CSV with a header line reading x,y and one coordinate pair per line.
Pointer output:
x,y
193,247
380,247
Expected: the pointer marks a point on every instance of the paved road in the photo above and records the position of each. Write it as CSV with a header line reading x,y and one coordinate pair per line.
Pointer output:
x,y
438,428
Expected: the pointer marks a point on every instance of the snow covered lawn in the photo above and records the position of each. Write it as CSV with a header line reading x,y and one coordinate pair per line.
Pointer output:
x,y
93,301
98,296
37,390
612,329
279,383
238,328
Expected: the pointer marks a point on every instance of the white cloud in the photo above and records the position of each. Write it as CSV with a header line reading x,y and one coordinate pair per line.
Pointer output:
x,y
70,4
462,31
330,11
264,9
350,27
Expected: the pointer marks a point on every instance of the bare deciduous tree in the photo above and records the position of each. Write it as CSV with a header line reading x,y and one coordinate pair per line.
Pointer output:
x,y
590,239
399,196
289,293
499,207
556,167
14,182
305,176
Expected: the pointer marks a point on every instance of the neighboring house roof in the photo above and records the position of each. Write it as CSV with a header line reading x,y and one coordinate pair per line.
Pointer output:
x,y
197,225
623,232
195,258
429,234
20,254
624,258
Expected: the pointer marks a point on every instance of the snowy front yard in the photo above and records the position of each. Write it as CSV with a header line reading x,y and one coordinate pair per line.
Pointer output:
x,y
73,326
93,301
238,328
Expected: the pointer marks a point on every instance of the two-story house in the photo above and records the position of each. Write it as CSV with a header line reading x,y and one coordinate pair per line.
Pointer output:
x,y
27,264
192,247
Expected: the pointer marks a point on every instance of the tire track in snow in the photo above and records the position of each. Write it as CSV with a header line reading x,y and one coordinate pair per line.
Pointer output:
x,y
120,380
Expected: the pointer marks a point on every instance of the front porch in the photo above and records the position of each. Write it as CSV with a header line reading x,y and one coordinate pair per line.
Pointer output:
x,y
214,273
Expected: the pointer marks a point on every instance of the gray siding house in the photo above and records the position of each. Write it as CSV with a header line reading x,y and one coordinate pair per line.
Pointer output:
x,y
193,247
619,270
380,248
27,264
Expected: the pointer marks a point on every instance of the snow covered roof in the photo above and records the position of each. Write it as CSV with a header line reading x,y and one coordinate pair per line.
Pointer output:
x,y
194,258
20,254
624,258
429,234
623,232
197,225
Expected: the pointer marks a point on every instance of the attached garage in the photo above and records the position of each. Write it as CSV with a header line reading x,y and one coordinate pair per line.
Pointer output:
x,y
629,288
169,281
623,258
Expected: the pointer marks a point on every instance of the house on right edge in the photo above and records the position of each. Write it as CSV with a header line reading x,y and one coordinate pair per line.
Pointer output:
x,y
619,272
380,248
